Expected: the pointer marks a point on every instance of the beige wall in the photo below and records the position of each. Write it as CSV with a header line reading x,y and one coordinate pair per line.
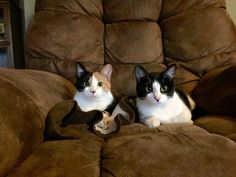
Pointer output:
x,y
231,8
28,6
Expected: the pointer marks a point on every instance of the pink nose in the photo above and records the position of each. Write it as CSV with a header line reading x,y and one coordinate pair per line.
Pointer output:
x,y
93,91
157,98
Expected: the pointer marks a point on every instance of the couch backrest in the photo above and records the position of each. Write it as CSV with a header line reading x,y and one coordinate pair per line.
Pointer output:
x,y
197,35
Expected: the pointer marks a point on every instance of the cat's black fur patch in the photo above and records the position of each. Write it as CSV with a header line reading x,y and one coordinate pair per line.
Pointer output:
x,y
82,77
142,85
184,98
149,78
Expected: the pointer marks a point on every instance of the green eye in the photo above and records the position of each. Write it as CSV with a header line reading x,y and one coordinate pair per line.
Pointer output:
x,y
148,89
164,88
99,84
86,83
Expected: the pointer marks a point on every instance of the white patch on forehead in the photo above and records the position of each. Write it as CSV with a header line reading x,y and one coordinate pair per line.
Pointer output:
x,y
157,93
156,87
93,82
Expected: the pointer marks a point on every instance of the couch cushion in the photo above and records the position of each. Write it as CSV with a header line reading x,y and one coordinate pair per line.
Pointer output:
x,y
63,40
222,125
193,35
170,150
138,128
92,8
63,158
133,43
173,152
123,10
174,7
64,32
25,98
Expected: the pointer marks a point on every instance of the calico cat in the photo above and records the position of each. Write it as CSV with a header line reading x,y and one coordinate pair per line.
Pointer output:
x,y
158,102
93,89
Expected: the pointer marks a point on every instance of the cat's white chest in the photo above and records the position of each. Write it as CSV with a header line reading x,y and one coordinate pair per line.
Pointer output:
x,y
150,109
87,104
173,111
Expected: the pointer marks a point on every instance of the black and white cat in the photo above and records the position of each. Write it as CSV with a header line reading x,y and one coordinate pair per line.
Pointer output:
x,y
158,102
93,89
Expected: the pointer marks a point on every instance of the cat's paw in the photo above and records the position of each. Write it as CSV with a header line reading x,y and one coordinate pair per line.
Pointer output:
x,y
189,122
152,122
106,125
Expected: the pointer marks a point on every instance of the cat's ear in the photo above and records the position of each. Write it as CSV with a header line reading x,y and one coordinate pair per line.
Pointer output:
x,y
140,72
170,71
106,71
81,71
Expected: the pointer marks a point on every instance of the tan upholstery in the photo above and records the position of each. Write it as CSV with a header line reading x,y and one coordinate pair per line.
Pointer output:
x,y
127,32
197,35
26,96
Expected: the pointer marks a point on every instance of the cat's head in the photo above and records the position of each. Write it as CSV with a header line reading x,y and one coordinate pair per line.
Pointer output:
x,y
93,84
157,88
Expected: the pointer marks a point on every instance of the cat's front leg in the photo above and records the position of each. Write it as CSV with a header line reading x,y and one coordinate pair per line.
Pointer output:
x,y
151,122
184,117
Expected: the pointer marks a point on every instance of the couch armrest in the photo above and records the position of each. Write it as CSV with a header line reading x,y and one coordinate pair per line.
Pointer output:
x,y
215,93
26,96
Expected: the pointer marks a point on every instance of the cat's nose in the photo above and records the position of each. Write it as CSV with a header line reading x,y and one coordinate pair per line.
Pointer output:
x,y
93,91
157,98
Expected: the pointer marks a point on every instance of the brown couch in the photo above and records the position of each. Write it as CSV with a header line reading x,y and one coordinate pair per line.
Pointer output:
x,y
197,35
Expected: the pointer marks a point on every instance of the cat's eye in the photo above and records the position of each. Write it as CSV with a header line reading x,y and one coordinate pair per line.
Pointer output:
x,y
148,89
99,84
86,83
164,88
